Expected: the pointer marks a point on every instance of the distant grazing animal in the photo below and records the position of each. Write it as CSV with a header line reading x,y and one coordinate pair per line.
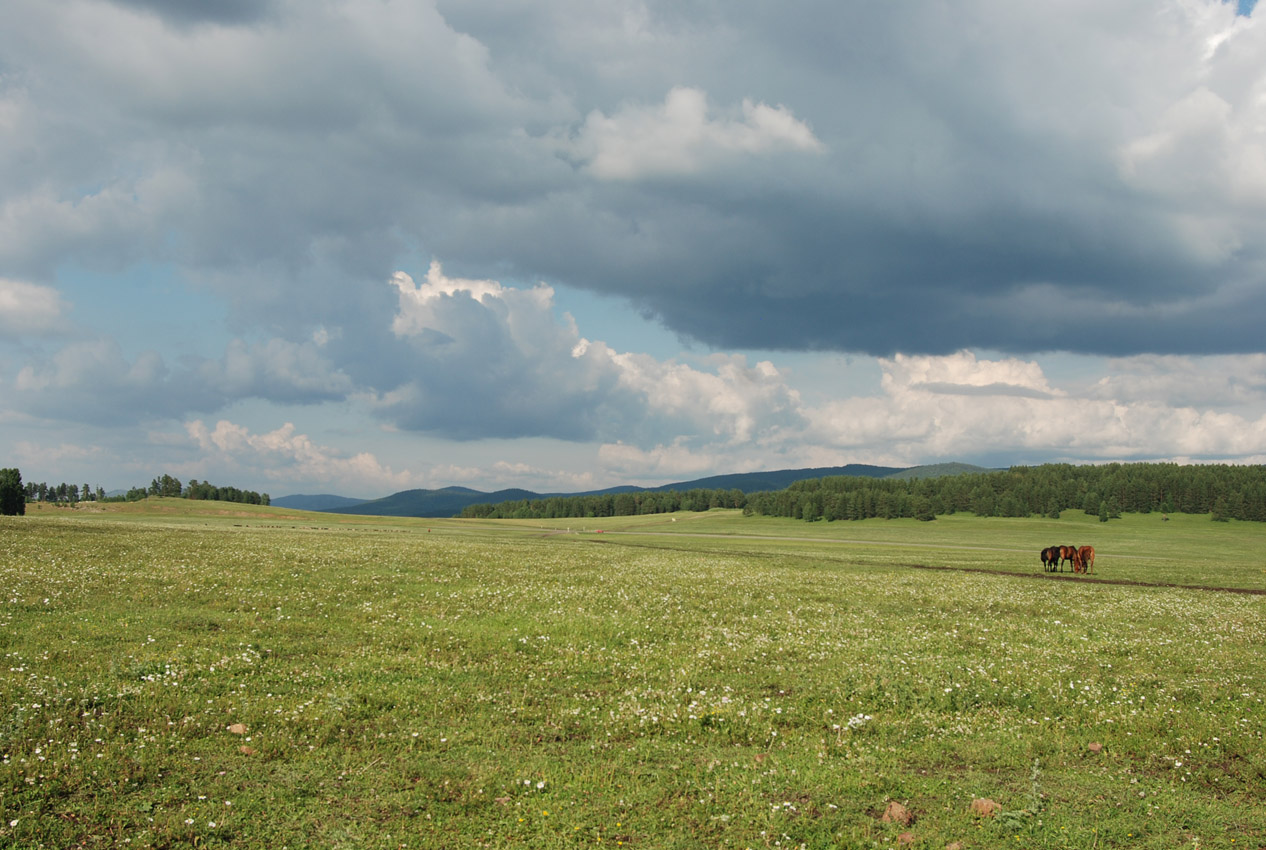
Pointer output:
x,y
1050,559
1086,556
1067,554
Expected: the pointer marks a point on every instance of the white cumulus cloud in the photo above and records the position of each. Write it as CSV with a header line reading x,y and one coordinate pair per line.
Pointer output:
x,y
284,454
961,406
962,373
681,136
28,308
491,357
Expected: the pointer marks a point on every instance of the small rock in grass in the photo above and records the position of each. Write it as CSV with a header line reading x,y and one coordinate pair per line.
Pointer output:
x,y
897,813
984,807
905,838
1095,747
246,751
238,728
954,845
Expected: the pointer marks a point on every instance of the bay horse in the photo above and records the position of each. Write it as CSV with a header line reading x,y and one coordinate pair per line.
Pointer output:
x,y
1050,559
1066,554
1086,557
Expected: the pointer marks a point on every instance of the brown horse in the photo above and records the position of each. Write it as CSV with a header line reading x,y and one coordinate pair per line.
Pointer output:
x,y
1050,559
1066,554
1086,557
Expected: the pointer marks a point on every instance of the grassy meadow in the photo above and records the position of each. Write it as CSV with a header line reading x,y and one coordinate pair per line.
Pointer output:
x,y
182,674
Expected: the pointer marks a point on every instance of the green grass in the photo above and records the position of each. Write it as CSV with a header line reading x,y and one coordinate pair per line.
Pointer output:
x,y
1183,550
713,681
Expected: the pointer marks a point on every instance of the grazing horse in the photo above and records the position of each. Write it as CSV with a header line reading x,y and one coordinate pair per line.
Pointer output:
x,y
1066,554
1086,557
1050,559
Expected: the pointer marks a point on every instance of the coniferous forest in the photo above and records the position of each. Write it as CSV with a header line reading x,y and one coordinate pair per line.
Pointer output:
x,y
1107,491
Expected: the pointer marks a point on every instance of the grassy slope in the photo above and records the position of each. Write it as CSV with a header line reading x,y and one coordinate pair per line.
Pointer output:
x,y
488,685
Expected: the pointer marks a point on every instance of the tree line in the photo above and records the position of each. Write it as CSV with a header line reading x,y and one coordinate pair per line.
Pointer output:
x,y
1224,492
14,494
597,505
64,493
167,485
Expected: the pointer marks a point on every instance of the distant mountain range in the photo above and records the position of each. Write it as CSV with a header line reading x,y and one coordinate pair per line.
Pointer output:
x,y
450,501
322,502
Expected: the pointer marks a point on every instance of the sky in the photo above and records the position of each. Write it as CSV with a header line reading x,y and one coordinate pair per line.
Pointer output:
x,y
362,246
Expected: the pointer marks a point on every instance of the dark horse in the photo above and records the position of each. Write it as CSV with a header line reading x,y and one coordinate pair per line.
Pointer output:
x,y
1066,554
1050,559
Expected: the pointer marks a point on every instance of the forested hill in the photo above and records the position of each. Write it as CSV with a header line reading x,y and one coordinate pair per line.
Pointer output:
x,y
934,470
448,501
754,482
318,502
451,501
1224,492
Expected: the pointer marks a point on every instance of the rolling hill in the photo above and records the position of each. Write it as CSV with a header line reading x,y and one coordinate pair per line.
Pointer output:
x,y
447,501
321,502
450,501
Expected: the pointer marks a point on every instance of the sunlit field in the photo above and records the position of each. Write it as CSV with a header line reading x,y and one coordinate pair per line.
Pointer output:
x,y
184,674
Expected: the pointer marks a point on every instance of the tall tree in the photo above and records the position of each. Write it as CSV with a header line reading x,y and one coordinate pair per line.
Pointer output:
x,y
12,494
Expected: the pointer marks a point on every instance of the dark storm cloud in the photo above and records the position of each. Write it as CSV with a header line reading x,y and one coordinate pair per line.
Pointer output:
x,y
1016,178
188,12
799,274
